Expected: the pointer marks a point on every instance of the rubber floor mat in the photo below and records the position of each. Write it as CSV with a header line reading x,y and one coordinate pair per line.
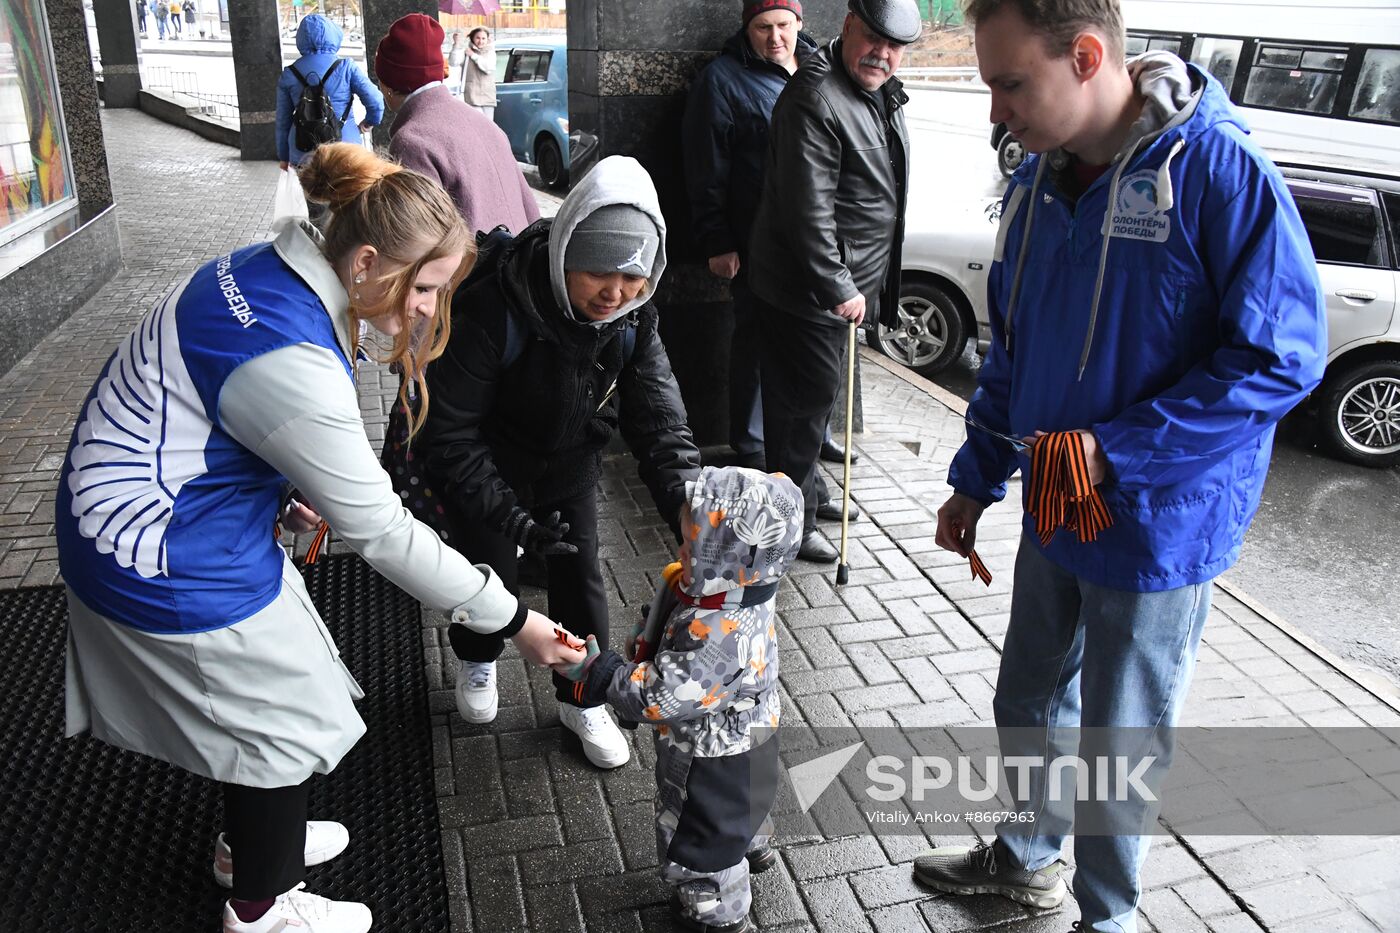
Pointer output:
x,y
92,838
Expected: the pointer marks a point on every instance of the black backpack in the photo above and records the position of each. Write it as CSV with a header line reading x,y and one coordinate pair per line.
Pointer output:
x,y
314,117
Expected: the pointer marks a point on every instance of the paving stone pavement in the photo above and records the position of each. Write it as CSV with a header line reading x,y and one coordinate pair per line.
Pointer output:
x,y
536,839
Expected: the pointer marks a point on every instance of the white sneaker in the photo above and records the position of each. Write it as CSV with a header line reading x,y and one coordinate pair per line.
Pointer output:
x,y
306,913
324,841
603,741
477,699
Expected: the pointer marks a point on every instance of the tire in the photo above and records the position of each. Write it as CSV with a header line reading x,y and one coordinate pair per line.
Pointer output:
x,y
550,162
1359,413
1010,155
931,332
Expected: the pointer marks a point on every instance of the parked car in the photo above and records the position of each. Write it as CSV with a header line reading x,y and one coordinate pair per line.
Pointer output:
x,y
1010,152
532,104
1353,220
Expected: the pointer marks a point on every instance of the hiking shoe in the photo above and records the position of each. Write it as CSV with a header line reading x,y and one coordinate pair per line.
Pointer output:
x,y
987,870
603,743
689,923
304,912
761,859
477,699
324,841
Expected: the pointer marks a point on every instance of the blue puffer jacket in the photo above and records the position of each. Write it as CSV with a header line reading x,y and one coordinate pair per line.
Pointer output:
x,y
1179,341
318,40
726,141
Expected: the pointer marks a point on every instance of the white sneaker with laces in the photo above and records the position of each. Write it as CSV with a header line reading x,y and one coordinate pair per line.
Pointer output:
x,y
324,841
304,912
603,742
477,699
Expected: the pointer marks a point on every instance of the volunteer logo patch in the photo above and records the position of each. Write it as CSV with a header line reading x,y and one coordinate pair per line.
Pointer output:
x,y
1135,213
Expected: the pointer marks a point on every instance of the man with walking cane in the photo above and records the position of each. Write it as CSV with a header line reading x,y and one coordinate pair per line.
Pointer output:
x,y
825,246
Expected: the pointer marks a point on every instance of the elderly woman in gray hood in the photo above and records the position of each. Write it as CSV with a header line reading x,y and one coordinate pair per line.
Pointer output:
x,y
318,41
554,348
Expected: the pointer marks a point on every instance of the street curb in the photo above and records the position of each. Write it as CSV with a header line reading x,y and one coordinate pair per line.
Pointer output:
x,y
1374,684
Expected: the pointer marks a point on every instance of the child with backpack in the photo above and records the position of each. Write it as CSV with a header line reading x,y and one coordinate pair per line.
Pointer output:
x,y
315,95
554,349
704,673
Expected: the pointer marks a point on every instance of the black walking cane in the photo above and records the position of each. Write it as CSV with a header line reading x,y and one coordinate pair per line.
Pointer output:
x,y
843,569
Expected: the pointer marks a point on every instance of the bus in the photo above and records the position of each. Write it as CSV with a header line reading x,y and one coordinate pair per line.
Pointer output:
x,y
1314,81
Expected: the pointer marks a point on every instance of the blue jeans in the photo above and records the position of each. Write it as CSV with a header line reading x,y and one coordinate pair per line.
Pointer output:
x,y
1081,655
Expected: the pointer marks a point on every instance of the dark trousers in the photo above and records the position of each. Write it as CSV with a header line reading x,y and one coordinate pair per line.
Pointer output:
x,y
745,400
577,600
802,363
265,829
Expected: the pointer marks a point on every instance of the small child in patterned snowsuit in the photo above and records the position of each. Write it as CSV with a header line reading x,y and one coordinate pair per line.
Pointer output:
x,y
704,672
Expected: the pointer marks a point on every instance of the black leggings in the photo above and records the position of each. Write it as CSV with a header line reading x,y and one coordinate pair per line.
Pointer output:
x,y
265,829
577,600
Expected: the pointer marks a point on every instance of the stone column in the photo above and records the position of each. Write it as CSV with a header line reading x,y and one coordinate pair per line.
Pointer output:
x,y
257,64
81,114
630,64
379,16
118,43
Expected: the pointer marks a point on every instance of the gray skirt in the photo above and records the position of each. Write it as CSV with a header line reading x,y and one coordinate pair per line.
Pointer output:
x,y
266,702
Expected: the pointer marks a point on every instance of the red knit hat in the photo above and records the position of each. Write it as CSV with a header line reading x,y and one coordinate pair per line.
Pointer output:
x,y
410,54
753,8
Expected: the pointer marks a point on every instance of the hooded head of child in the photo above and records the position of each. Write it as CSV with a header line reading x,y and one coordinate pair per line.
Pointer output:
x,y
739,528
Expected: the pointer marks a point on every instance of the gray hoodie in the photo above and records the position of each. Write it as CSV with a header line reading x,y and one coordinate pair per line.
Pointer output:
x,y
614,180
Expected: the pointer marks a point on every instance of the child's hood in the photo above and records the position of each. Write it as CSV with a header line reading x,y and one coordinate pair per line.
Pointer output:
x,y
746,528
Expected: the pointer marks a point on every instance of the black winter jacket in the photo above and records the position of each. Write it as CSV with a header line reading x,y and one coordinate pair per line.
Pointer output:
x,y
725,136
533,432
831,223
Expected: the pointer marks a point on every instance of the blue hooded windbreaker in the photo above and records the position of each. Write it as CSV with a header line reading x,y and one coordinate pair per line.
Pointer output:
x,y
1175,311
318,41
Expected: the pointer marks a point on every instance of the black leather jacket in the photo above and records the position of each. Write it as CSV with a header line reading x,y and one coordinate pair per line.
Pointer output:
x,y
533,431
831,223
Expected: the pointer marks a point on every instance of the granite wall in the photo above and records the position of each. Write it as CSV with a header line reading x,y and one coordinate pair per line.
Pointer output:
x,y
49,272
117,41
257,64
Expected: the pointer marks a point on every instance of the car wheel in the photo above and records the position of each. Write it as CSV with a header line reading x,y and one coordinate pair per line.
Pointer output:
x,y
550,162
1010,155
930,334
1360,412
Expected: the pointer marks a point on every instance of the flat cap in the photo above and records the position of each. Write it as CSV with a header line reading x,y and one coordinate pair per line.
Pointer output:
x,y
896,20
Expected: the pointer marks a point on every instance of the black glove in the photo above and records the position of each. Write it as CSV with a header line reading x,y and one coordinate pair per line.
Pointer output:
x,y
545,538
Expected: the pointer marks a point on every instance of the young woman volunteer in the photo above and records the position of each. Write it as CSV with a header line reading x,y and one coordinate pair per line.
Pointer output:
x,y
191,637
554,348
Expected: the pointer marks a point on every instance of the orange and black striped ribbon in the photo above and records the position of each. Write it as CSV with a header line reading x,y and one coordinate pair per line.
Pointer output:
x,y
318,544
1062,494
979,569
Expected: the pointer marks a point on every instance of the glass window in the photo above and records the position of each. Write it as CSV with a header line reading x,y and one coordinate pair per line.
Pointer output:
x,y
529,65
1164,45
502,62
1280,80
1219,57
1343,226
1136,45
1326,61
35,177
1378,90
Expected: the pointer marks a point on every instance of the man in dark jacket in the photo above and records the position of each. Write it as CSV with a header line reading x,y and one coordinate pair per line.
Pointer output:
x,y
825,244
726,146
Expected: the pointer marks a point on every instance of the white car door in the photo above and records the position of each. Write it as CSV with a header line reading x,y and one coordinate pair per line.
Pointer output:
x,y
1345,226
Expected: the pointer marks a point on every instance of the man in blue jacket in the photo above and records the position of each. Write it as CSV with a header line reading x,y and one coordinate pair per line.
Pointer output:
x,y
726,145
1154,292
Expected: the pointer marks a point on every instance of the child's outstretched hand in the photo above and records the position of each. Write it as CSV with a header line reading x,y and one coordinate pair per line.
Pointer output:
x,y
579,671
589,678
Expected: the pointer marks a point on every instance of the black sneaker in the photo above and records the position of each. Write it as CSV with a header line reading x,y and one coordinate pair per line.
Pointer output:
x,y
761,859
986,869
744,925
830,511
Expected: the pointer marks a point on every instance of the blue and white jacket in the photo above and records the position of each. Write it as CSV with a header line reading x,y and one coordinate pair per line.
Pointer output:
x,y
1175,311
236,383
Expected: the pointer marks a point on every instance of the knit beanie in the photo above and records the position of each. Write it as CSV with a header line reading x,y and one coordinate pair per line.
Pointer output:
x,y
410,54
754,7
615,238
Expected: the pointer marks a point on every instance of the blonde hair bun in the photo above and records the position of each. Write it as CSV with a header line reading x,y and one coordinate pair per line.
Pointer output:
x,y
337,173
